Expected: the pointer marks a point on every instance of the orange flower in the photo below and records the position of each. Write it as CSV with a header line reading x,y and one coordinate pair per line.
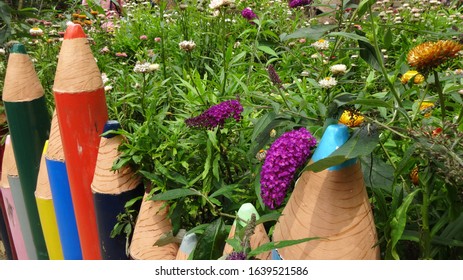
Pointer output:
x,y
429,55
351,119
414,176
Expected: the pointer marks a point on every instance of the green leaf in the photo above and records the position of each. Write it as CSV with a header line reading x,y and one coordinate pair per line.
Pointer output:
x,y
362,143
210,244
371,102
172,175
377,173
387,38
312,33
235,243
225,190
368,53
269,217
352,36
267,50
198,229
363,7
215,167
278,244
398,222
175,193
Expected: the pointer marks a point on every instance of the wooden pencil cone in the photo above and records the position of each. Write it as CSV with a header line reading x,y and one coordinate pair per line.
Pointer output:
x,y
331,204
61,193
259,237
46,209
111,191
82,113
152,223
29,126
9,166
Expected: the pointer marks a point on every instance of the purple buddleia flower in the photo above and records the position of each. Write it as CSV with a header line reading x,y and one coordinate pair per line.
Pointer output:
x,y
273,75
236,256
217,114
248,14
288,153
298,3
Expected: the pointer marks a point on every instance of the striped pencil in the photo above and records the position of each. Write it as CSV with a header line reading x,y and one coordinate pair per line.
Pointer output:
x,y
29,125
5,230
61,192
46,209
82,114
111,190
9,166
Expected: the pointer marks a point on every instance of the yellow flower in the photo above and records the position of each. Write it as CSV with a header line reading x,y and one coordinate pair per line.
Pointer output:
x,y
410,74
94,13
429,55
82,16
75,15
351,119
426,106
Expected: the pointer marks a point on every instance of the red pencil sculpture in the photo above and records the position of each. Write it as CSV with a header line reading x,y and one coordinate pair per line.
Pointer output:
x,y
82,114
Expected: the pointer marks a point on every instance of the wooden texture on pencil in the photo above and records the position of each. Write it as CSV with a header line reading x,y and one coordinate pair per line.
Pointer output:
x,y
21,81
9,163
82,113
107,181
111,191
29,125
46,210
152,223
62,202
333,205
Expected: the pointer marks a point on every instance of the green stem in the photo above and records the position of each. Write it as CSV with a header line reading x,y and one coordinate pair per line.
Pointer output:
x,y
163,38
425,232
143,95
393,90
282,94
460,116
440,94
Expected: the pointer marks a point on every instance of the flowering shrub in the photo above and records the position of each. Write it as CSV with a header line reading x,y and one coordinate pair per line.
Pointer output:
x,y
288,153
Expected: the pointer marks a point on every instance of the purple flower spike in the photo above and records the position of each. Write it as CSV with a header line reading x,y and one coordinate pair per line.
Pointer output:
x,y
236,256
248,14
289,152
297,3
216,115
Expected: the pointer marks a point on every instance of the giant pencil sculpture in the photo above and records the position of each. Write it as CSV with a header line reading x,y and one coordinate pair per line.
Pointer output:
x,y
152,223
8,164
46,209
82,114
331,204
5,230
111,190
29,125
61,193
259,237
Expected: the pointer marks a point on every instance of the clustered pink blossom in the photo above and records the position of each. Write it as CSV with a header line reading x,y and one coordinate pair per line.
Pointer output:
x,y
216,115
288,153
